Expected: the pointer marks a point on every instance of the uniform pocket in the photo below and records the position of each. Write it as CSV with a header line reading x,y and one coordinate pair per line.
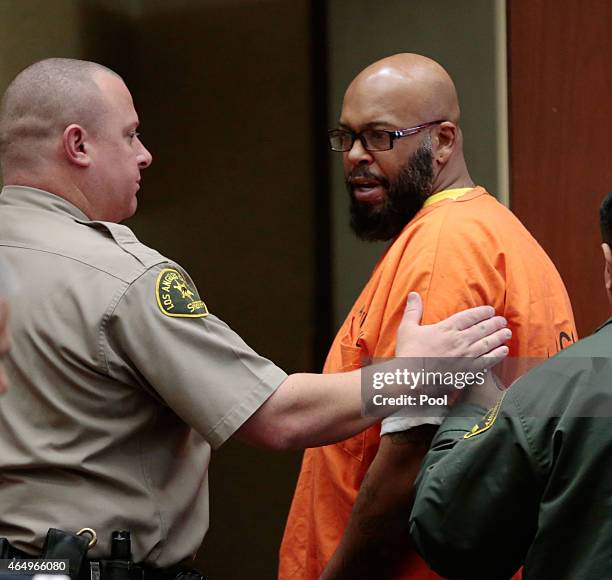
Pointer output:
x,y
353,358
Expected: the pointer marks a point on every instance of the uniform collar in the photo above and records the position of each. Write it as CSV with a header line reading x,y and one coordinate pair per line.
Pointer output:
x,y
447,194
606,323
22,196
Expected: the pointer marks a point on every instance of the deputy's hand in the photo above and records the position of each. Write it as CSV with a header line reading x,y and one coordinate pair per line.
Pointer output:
x,y
4,343
475,333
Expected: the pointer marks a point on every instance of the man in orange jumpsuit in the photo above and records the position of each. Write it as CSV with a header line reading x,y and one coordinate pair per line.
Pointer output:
x,y
457,246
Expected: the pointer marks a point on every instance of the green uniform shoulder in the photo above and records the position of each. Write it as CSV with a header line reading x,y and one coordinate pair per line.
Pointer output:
x,y
570,384
598,344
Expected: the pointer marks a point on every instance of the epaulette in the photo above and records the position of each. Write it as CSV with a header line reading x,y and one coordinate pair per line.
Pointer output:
x,y
128,242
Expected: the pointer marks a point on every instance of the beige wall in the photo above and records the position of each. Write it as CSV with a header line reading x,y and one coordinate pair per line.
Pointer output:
x,y
459,35
34,29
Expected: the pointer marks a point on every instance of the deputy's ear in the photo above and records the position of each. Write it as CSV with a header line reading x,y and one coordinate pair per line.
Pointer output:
x,y
444,142
74,141
608,265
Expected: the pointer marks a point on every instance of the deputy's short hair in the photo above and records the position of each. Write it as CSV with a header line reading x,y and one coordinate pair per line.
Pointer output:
x,y
605,219
43,99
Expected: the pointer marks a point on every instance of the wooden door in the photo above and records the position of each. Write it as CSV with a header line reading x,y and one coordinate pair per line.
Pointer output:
x,y
560,72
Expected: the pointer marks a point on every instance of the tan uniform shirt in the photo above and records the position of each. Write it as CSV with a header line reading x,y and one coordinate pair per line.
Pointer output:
x,y
121,384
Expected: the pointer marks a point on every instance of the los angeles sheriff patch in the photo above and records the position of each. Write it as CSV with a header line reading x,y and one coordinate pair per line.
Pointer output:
x,y
177,296
487,421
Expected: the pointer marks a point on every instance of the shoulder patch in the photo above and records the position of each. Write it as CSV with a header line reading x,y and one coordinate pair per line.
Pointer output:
x,y
177,296
487,421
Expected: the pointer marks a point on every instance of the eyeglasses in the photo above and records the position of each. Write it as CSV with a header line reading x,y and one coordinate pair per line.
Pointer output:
x,y
372,139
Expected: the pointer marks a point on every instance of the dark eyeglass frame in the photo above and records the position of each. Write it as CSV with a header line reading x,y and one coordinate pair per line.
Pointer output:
x,y
393,135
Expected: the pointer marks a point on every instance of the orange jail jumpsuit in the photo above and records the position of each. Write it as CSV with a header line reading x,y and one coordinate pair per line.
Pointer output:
x,y
463,249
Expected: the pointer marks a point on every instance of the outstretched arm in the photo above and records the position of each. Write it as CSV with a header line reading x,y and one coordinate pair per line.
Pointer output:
x,y
308,410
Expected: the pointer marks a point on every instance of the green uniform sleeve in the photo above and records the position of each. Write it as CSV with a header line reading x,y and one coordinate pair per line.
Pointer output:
x,y
476,504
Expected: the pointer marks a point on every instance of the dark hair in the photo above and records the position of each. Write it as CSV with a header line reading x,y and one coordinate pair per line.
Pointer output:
x,y
605,219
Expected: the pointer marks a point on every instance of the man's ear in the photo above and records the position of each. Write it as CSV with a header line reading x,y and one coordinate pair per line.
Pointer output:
x,y
444,142
74,141
607,252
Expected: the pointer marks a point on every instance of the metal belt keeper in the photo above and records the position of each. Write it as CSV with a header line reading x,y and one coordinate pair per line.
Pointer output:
x,y
72,547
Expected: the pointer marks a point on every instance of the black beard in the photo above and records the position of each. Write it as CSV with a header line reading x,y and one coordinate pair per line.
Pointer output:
x,y
405,197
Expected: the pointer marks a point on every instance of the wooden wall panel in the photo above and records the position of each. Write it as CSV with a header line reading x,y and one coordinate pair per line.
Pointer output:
x,y
560,72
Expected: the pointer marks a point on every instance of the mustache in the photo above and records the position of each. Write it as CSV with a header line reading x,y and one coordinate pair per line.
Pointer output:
x,y
365,173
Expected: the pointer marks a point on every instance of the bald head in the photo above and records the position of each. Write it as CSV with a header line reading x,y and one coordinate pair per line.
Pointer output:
x,y
41,101
411,85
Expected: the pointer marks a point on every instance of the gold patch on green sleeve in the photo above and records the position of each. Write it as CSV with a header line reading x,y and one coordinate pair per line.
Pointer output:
x,y
177,296
487,421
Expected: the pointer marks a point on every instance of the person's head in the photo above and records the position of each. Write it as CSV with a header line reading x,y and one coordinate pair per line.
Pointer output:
x,y
388,187
69,127
605,223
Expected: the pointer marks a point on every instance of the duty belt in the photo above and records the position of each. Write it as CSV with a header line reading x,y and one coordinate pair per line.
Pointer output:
x,y
65,546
